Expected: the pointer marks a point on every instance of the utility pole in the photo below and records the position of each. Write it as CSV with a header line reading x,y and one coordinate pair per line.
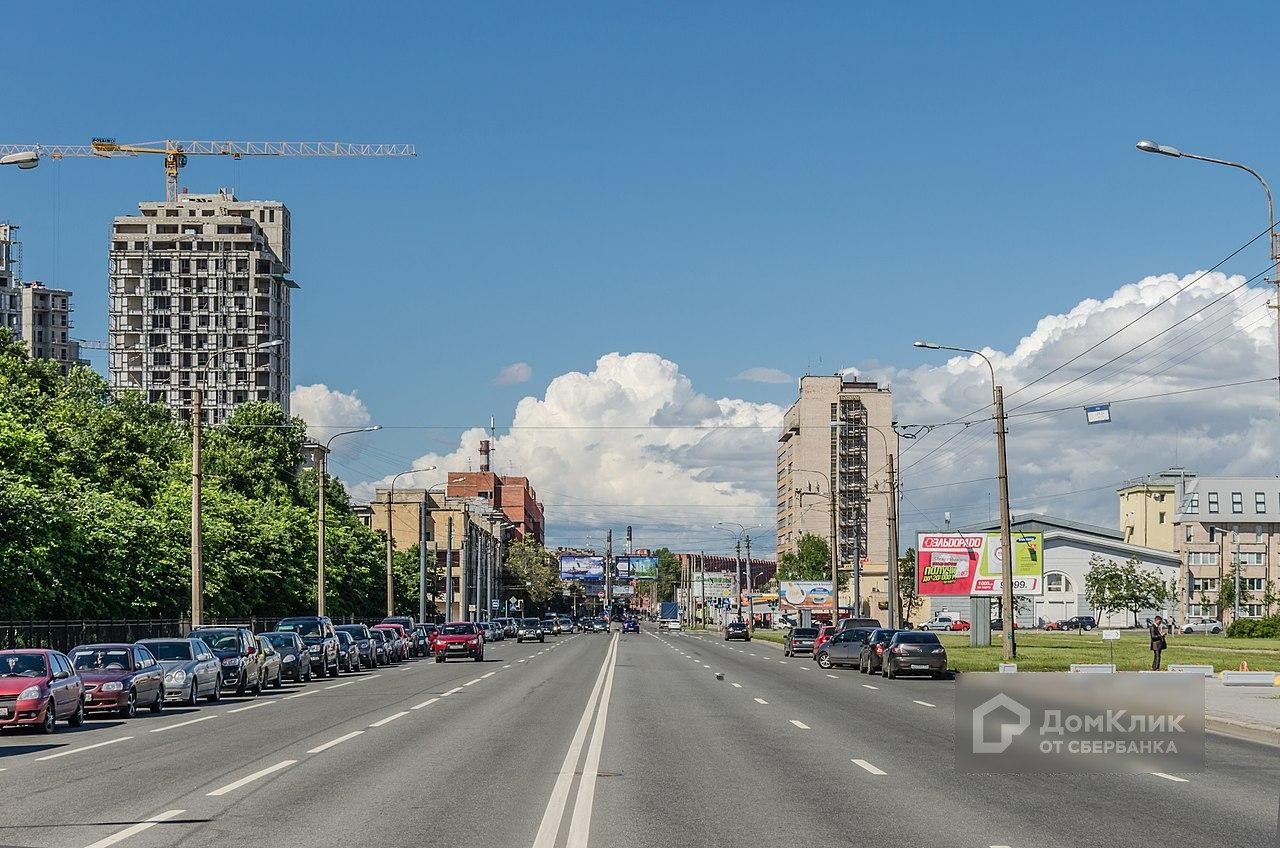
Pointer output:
x,y
751,604
448,571
464,613
608,571
737,575
835,556
422,559
702,584
1006,535
197,562
322,465
895,599
1235,576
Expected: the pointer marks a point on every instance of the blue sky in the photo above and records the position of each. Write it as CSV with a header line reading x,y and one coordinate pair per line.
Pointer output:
x,y
645,177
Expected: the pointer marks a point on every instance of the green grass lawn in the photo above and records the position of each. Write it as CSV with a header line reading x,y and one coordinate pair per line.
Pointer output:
x,y
1045,651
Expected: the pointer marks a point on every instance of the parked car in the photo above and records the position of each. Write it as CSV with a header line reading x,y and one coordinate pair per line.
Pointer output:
x,y
631,625
737,630
1057,624
530,628
272,664
426,633
382,643
846,623
348,652
459,639
911,652
295,659
1201,624
1081,622
191,671
825,632
119,678
997,625
567,625
938,622
844,648
39,687
406,623
961,625
872,654
237,650
364,642
799,640
322,641
399,641
493,631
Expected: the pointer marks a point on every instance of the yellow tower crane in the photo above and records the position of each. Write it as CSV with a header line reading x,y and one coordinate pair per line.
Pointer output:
x,y
175,153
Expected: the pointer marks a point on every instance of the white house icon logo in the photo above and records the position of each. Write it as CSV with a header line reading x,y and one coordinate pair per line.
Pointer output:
x,y
1007,730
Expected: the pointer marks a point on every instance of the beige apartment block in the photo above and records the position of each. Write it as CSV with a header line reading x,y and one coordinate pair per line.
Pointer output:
x,y
1222,521
46,325
838,435
192,282
1148,506
10,279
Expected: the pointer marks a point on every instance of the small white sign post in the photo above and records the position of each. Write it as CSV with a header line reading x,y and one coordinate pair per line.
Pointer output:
x,y
1111,637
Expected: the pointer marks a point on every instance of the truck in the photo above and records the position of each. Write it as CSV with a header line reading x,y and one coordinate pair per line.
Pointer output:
x,y
669,616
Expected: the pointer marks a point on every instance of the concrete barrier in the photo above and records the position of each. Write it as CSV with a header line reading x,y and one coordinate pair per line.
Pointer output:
x,y
1249,678
1185,668
1097,668
1008,667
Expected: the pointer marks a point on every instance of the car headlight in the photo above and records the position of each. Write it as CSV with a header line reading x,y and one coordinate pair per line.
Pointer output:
x,y
112,686
31,693
290,657
231,661
177,677
473,641
315,649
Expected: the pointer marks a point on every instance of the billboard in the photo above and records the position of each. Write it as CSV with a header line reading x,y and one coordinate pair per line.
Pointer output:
x,y
621,591
713,586
589,569
805,594
970,564
636,567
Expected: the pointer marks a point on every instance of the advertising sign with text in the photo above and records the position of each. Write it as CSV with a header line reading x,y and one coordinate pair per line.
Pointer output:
x,y
589,569
805,594
971,564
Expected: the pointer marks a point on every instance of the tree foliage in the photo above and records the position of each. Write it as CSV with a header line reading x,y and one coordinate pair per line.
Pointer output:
x,y
534,569
810,561
909,600
1112,587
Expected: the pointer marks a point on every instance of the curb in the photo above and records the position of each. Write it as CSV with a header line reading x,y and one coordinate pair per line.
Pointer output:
x,y
1248,731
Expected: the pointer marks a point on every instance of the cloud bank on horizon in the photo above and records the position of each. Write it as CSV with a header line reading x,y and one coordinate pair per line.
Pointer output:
x,y
633,442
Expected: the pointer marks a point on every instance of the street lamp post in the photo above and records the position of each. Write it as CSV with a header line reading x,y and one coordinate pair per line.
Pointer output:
x,y
744,535
1010,650
25,159
391,500
197,422
322,466
1273,241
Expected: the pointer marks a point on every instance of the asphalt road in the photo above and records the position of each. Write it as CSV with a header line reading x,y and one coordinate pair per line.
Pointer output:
x,y
594,740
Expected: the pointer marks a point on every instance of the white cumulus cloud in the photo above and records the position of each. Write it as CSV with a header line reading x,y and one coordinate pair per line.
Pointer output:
x,y
516,372
764,375
326,410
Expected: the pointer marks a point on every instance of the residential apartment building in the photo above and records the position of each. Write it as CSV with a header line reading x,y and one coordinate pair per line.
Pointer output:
x,y
1148,505
1223,521
838,435
10,279
46,325
193,282
513,495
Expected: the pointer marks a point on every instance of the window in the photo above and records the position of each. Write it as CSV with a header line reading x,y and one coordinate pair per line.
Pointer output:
x,y
1251,558
1257,533
1204,584
1162,518
1213,503
1202,558
1193,504
1260,502
1190,533
1213,534
1251,610
1253,584
1237,503
1203,610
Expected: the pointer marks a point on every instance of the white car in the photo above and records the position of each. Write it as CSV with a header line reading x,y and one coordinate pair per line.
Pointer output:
x,y
940,622
1201,624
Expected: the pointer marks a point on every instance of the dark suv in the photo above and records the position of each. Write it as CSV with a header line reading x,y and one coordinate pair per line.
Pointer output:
x,y
364,641
1081,622
322,640
237,652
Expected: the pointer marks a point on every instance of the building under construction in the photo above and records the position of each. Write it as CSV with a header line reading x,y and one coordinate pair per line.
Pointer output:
x,y
193,282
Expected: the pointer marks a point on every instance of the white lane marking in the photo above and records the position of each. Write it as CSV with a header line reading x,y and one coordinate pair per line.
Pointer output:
x,y
580,824
452,691
704,665
1170,777
863,764
487,676
924,703
245,781
367,677
761,701
340,685
389,718
182,724
83,748
834,676
806,668
784,662
472,682
426,703
752,655
736,685
300,694
508,665
554,813
869,686
252,706
326,746
519,660
800,724
134,830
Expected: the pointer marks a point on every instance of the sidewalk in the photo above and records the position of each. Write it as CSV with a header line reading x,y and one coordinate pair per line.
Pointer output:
x,y
1248,712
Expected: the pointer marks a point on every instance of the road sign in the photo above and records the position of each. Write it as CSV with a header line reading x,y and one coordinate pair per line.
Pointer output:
x,y
599,594
493,604
1110,635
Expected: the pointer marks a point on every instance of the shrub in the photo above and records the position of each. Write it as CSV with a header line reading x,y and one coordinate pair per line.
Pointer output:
x,y
1255,628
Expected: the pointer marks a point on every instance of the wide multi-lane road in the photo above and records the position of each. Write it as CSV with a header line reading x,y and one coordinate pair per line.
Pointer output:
x,y
595,739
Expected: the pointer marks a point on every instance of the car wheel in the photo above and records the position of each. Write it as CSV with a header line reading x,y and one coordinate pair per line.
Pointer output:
x,y
130,708
194,695
333,670
1216,630
50,723
217,691
479,658
439,658
937,675
1087,628
889,671
279,678
77,717
824,659
258,685
158,704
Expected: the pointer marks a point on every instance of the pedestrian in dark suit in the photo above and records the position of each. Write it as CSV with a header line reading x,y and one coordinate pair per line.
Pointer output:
x,y
1158,642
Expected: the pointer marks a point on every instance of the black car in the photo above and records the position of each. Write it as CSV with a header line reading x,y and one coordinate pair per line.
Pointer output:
x,y
871,655
348,652
913,652
295,662
369,654
322,641
424,634
414,648
844,648
237,651
737,630
529,628
384,644
1082,622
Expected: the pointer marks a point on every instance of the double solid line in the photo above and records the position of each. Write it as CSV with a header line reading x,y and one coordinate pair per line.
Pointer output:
x,y
593,723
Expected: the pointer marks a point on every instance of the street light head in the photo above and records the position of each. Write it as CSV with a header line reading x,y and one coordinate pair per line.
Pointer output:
x,y
26,160
370,429
1148,146
272,343
924,344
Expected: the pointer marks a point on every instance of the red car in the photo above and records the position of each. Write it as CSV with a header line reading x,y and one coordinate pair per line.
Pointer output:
x,y
119,678
458,639
39,687
960,624
824,636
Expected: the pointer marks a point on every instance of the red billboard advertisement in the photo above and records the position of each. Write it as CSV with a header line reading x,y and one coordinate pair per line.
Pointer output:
x,y
970,564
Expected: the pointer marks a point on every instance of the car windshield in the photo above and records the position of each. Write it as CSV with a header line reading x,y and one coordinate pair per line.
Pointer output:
x,y
459,630
106,659
222,640
304,627
176,650
356,631
805,632
280,640
23,665
530,622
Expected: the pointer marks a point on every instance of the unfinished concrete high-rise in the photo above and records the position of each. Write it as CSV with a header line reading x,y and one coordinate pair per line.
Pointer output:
x,y
193,282
10,279
46,325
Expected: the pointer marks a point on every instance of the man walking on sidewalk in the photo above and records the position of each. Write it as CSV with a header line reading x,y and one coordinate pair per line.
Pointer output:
x,y
1158,643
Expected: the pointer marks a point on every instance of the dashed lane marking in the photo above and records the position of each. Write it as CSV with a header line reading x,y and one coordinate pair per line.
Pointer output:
x,y
425,703
924,703
326,746
1174,778
182,724
83,748
863,764
245,781
134,830
800,724
761,701
380,722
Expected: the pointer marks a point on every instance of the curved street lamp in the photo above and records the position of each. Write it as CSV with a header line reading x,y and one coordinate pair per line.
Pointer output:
x,y
322,466
391,500
26,159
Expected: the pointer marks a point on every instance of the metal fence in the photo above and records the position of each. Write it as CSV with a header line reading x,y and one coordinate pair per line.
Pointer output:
x,y
65,635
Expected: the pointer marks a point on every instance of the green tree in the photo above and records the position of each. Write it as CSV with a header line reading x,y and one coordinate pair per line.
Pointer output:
x,y
668,574
1143,588
535,570
1227,589
909,601
1104,586
810,561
